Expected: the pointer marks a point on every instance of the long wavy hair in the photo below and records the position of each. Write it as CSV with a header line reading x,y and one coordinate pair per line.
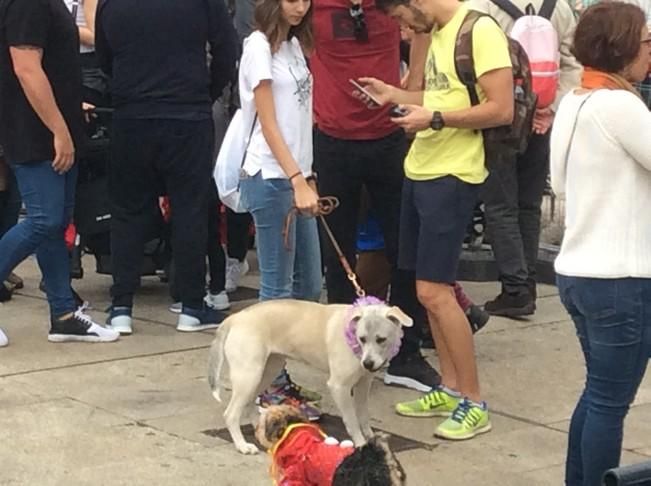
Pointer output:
x,y
269,20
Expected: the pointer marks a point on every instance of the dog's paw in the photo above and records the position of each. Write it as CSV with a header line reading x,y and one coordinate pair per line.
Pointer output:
x,y
248,449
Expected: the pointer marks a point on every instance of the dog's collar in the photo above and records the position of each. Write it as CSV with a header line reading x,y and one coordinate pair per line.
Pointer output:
x,y
350,330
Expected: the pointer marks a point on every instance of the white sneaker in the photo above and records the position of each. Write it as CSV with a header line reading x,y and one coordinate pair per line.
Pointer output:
x,y
80,327
216,301
120,320
176,307
3,339
235,270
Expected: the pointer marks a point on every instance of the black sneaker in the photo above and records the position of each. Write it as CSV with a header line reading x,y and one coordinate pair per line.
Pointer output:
x,y
78,326
510,305
477,318
413,372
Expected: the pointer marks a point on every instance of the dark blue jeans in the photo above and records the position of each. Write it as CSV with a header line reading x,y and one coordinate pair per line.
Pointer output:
x,y
49,199
613,323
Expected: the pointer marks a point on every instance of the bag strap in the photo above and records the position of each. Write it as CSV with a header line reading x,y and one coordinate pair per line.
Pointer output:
x,y
547,9
576,122
464,62
248,142
510,8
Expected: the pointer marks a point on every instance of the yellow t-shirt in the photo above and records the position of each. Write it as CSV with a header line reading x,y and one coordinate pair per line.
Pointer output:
x,y
455,151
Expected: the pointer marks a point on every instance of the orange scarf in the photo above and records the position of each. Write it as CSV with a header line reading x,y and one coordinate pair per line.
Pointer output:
x,y
594,79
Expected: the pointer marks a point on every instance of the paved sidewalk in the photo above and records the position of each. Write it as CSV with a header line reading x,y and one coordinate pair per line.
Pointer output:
x,y
139,412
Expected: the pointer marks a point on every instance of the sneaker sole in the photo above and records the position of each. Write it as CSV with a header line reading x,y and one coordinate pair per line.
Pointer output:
x,y
174,311
69,338
424,414
513,311
123,332
482,430
202,327
262,409
404,382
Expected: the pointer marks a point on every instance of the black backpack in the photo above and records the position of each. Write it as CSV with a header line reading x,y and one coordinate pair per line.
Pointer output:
x,y
516,135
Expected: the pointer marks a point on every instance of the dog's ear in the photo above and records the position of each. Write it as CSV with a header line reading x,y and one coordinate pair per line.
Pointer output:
x,y
398,317
357,314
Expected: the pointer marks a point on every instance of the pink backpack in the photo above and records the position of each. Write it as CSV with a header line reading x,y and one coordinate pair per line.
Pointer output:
x,y
537,36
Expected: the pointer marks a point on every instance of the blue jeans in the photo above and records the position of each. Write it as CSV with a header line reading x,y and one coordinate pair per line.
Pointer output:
x,y
293,272
49,199
613,323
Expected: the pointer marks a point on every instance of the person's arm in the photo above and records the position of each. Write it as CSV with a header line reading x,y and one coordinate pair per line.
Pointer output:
x,y
102,47
305,198
87,34
27,62
570,68
223,47
417,60
386,94
630,130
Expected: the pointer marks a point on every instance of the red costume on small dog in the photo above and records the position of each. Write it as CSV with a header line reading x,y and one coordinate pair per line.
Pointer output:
x,y
303,458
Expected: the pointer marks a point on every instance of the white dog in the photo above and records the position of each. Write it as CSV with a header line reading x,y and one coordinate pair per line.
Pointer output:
x,y
349,342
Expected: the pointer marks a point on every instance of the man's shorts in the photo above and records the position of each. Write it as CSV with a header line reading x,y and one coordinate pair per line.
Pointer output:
x,y
433,222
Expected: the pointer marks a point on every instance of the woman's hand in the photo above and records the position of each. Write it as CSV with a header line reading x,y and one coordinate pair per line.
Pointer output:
x,y
381,91
418,118
306,199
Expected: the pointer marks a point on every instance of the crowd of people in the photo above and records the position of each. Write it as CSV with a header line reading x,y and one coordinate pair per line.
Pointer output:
x,y
410,144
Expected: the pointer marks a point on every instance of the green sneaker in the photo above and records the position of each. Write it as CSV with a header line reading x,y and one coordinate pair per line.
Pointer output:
x,y
467,421
437,403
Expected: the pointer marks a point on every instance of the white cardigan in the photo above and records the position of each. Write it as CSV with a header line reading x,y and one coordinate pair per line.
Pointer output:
x,y
607,185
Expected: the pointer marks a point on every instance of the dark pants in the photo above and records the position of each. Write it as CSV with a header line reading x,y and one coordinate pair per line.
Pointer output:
x,y
612,322
10,203
513,196
237,234
145,153
343,166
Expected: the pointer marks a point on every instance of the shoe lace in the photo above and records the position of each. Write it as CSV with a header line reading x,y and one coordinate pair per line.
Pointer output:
x,y
432,399
81,317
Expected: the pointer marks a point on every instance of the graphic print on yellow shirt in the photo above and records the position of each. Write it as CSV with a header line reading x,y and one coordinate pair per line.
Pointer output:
x,y
455,151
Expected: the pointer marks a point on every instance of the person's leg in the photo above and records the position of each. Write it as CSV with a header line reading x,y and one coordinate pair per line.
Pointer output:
x,y
237,246
269,201
339,164
133,195
185,163
383,178
617,313
44,195
307,278
500,195
216,256
574,457
444,207
533,168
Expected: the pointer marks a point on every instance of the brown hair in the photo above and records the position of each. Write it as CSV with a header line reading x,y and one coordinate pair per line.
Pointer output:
x,y
268,19
608,36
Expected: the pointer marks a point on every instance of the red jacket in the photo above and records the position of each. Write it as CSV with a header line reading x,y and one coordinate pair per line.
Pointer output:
x,y
302,458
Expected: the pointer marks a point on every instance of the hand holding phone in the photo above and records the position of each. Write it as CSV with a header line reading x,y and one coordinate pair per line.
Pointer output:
x,y
366,96
398,112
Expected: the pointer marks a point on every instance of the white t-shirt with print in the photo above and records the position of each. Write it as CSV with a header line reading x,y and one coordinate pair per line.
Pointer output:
x,y
291,85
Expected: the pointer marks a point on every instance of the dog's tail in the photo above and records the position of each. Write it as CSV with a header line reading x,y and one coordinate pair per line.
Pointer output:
x,y
216,361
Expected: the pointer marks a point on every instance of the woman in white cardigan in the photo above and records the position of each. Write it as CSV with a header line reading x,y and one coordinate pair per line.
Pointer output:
x,y
601,161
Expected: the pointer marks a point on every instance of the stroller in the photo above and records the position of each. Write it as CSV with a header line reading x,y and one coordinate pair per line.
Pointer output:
x,y
92,216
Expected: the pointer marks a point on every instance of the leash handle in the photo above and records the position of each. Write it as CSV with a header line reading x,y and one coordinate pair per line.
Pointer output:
x,y
327,205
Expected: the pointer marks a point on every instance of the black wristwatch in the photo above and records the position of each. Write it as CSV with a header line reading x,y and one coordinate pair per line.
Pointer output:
x,y
437,122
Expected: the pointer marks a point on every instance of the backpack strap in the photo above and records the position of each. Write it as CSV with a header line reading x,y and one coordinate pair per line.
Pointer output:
x,y
547,9
510,8
464,62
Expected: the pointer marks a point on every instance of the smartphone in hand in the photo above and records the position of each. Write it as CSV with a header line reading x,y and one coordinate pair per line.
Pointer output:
x,y
398,112
365,92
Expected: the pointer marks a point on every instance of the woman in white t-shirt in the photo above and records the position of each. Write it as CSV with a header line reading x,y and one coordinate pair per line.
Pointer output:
x,y
276,97
601,161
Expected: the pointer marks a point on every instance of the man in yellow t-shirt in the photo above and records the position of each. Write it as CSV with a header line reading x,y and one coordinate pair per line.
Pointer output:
x,y
444,171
